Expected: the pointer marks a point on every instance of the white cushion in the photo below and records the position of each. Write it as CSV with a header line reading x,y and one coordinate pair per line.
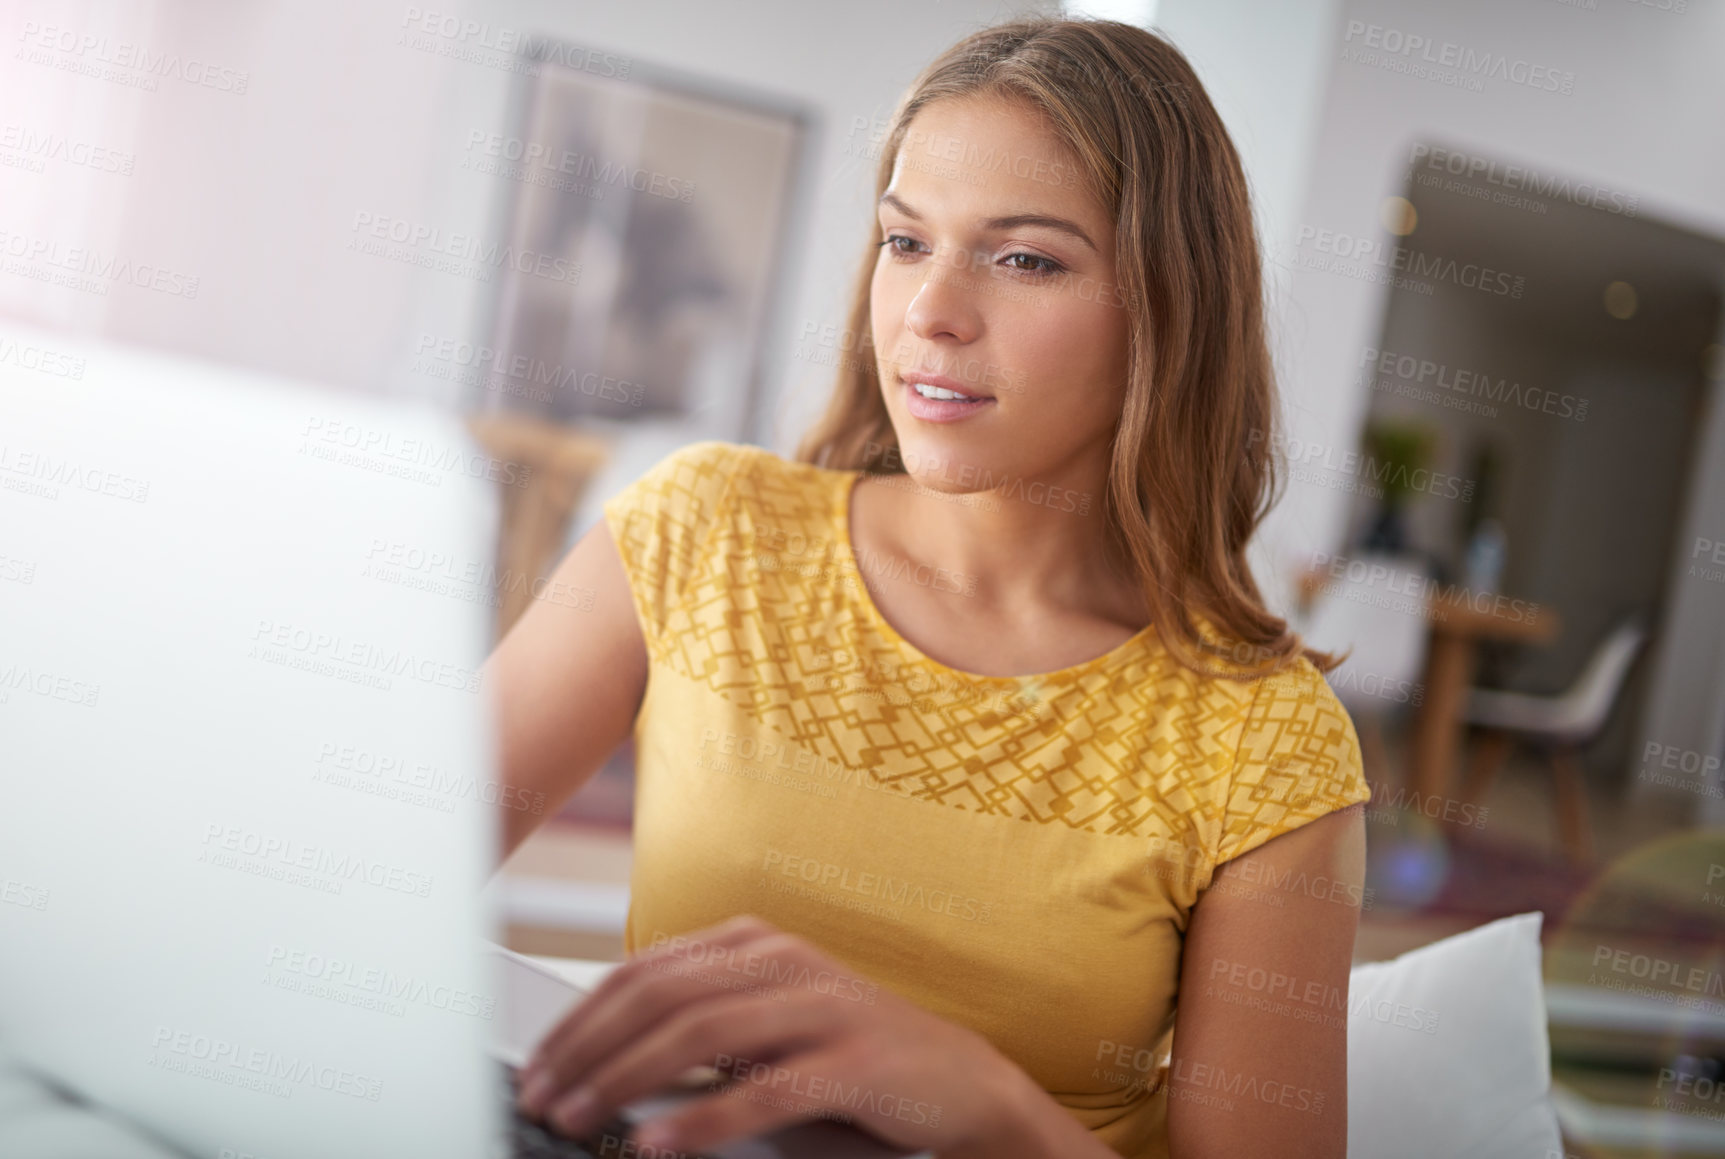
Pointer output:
x,y
1447,1050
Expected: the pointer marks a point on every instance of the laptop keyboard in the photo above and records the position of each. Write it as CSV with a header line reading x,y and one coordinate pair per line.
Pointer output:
x,y
529,1140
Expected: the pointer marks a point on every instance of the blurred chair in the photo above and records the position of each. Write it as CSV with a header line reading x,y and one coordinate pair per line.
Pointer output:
x,y
1561,726
1386,646
536,512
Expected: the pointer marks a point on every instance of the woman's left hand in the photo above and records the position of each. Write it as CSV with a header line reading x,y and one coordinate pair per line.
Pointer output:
x,y
800,1036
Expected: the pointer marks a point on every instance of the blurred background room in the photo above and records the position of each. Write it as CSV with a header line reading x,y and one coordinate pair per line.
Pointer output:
x,y
603,231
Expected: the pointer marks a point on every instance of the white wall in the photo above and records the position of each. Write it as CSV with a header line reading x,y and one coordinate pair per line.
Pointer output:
x,y
1643,117
256,193
1266,68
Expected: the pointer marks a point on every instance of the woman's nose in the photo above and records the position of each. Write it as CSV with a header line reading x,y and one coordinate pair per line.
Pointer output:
x,y
947,302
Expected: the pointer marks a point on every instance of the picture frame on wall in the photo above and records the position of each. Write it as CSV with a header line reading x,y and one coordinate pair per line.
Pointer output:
x,y
650,212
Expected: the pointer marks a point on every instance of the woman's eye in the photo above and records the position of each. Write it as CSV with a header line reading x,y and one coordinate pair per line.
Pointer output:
x,y
1033,263
900,246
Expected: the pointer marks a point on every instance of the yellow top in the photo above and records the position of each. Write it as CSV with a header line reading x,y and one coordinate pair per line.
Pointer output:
x,y
1018,854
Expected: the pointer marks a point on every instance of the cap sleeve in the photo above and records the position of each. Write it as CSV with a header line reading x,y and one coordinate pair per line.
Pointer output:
x,y
662,521
1298,760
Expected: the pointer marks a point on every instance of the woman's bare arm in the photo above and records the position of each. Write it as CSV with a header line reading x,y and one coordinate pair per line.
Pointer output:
x,y
1260,1059
566,683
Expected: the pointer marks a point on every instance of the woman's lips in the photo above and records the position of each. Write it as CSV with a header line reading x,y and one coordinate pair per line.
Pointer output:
x,y
941,410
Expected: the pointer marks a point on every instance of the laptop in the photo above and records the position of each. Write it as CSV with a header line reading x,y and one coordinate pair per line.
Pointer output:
x,y
246,763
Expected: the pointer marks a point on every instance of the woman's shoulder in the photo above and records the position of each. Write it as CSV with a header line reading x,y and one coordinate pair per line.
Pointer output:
x,y
747,477
695,475
1295,720
699,486
671,522
1245,676
731,461
1298,681
704,458
1247,719
1294,689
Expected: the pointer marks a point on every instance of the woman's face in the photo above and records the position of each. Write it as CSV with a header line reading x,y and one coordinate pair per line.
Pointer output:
x,y
996,279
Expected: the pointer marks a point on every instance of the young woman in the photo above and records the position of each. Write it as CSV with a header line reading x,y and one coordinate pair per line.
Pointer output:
x,y
981,802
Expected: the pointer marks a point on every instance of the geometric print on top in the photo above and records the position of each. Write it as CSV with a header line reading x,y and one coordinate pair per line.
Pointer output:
x,y
760,597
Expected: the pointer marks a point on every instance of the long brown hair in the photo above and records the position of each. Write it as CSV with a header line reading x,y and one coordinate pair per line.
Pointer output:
x,y
1195,462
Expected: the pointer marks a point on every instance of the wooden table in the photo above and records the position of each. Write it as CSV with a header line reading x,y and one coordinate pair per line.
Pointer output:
x,y
1451,653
